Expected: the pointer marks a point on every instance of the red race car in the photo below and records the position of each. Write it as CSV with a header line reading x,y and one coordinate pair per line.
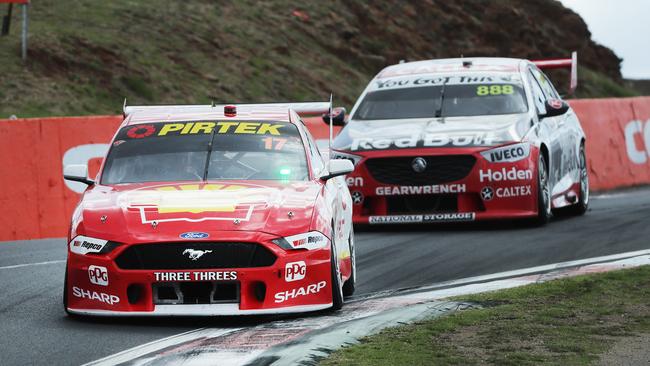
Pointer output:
x,y
464,139
211,210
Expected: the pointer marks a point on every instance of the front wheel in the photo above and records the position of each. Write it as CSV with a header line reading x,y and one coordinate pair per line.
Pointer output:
x,y
543,192
583,199
337,289
348,287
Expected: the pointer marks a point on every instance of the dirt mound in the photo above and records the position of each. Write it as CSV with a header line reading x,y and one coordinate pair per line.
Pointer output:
x,y
86,56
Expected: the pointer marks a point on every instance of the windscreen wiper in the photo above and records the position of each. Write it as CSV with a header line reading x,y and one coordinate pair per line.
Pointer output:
x,y
207,159
442,99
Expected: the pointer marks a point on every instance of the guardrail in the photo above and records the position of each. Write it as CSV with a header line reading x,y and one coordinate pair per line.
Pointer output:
x,y
37,203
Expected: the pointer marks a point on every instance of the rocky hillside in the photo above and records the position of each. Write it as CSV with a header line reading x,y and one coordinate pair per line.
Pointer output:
x,y
85,56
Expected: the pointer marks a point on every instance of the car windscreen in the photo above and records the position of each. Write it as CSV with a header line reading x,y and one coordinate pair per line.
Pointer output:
x,y
197,151
445,100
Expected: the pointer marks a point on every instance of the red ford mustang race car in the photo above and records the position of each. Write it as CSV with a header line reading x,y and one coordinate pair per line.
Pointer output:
x,y
201,210
462,140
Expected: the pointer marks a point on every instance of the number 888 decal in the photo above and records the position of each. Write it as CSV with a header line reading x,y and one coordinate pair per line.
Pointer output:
x,y
483,90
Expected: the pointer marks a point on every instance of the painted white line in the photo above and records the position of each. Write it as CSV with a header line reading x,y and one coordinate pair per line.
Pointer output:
x,y
32,264
147,348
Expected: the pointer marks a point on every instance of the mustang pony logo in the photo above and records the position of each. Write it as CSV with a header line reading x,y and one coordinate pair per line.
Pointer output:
x,y
194,254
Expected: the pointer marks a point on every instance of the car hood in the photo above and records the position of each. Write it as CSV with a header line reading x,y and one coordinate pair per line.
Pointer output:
x,y
432,132
164,211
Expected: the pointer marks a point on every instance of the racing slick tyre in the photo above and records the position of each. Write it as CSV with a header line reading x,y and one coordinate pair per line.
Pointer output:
x,y
65,293
543,193
583,199
337,289
348,286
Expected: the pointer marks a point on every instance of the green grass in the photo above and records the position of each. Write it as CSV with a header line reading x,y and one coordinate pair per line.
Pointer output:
x,y
564,322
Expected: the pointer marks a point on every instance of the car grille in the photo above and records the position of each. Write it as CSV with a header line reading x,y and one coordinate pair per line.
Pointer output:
x,y
179,256
439,169
184,293
422,204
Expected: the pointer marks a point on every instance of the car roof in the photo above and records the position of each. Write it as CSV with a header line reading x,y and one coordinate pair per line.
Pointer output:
x,y
451,65
280,112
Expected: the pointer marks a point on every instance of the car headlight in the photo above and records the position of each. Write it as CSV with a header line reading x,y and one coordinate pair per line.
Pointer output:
x,y
86,245
508,153
355,159
310,241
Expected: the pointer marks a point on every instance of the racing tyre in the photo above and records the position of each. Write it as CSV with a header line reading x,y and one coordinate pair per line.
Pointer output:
x,y
65,292
543,193
348,287
337,289
583,199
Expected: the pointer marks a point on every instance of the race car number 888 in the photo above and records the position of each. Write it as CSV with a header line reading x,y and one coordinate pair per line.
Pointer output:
x,y
484,90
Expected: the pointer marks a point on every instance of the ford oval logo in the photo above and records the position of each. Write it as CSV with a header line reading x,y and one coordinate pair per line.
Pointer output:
x,y
194,235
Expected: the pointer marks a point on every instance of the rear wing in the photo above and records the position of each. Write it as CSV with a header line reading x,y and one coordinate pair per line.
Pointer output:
x,y
562,63
303,108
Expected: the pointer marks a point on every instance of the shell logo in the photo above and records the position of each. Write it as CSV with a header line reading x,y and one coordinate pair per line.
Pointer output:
x,y
192,202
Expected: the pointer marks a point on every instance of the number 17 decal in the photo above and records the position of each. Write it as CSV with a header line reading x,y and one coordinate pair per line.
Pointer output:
x,y
274,143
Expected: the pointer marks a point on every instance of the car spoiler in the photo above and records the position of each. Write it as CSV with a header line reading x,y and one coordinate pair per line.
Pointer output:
x,y
302,108
562,63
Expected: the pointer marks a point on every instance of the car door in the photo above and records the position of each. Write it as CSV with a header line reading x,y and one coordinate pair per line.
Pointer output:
x,y
549,131
567,130
335,195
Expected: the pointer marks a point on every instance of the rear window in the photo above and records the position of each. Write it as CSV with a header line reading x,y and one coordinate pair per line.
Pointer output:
x,y
197,151
449,98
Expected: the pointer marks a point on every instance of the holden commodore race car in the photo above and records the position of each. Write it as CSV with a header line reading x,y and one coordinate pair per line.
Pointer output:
x,y
211,210
464,139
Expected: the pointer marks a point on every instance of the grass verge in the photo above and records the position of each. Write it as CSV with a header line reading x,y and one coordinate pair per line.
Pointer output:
x,y
569,321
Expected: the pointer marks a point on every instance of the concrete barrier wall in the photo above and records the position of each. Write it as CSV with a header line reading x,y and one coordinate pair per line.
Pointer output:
x,y
37,203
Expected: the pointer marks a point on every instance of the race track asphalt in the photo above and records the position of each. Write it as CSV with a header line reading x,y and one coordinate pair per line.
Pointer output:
x,y
34,330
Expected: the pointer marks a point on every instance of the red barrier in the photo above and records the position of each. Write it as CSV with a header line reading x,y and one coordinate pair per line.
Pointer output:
x,y
35,200
37,203
618,140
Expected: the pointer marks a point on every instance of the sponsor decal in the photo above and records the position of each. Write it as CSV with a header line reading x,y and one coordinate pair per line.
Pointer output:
x,y
509,153
295,271
194,235
555,103
354,181
357,197
194,202
487,193
300,291
195,254
83,244
98,275
310,240
410,190
381,84
504,174
97,296
195,276
223,127
140,131
405,219
429,140
517,191
637,134
419,165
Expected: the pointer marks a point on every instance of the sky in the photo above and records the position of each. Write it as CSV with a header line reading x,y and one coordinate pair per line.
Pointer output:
x,y
623,26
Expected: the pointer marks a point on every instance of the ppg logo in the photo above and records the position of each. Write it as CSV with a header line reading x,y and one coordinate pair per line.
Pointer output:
x,y
295,271
98,275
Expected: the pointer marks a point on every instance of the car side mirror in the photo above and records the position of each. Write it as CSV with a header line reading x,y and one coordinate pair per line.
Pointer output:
x,y
555,107
77,173
338,167
338,117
